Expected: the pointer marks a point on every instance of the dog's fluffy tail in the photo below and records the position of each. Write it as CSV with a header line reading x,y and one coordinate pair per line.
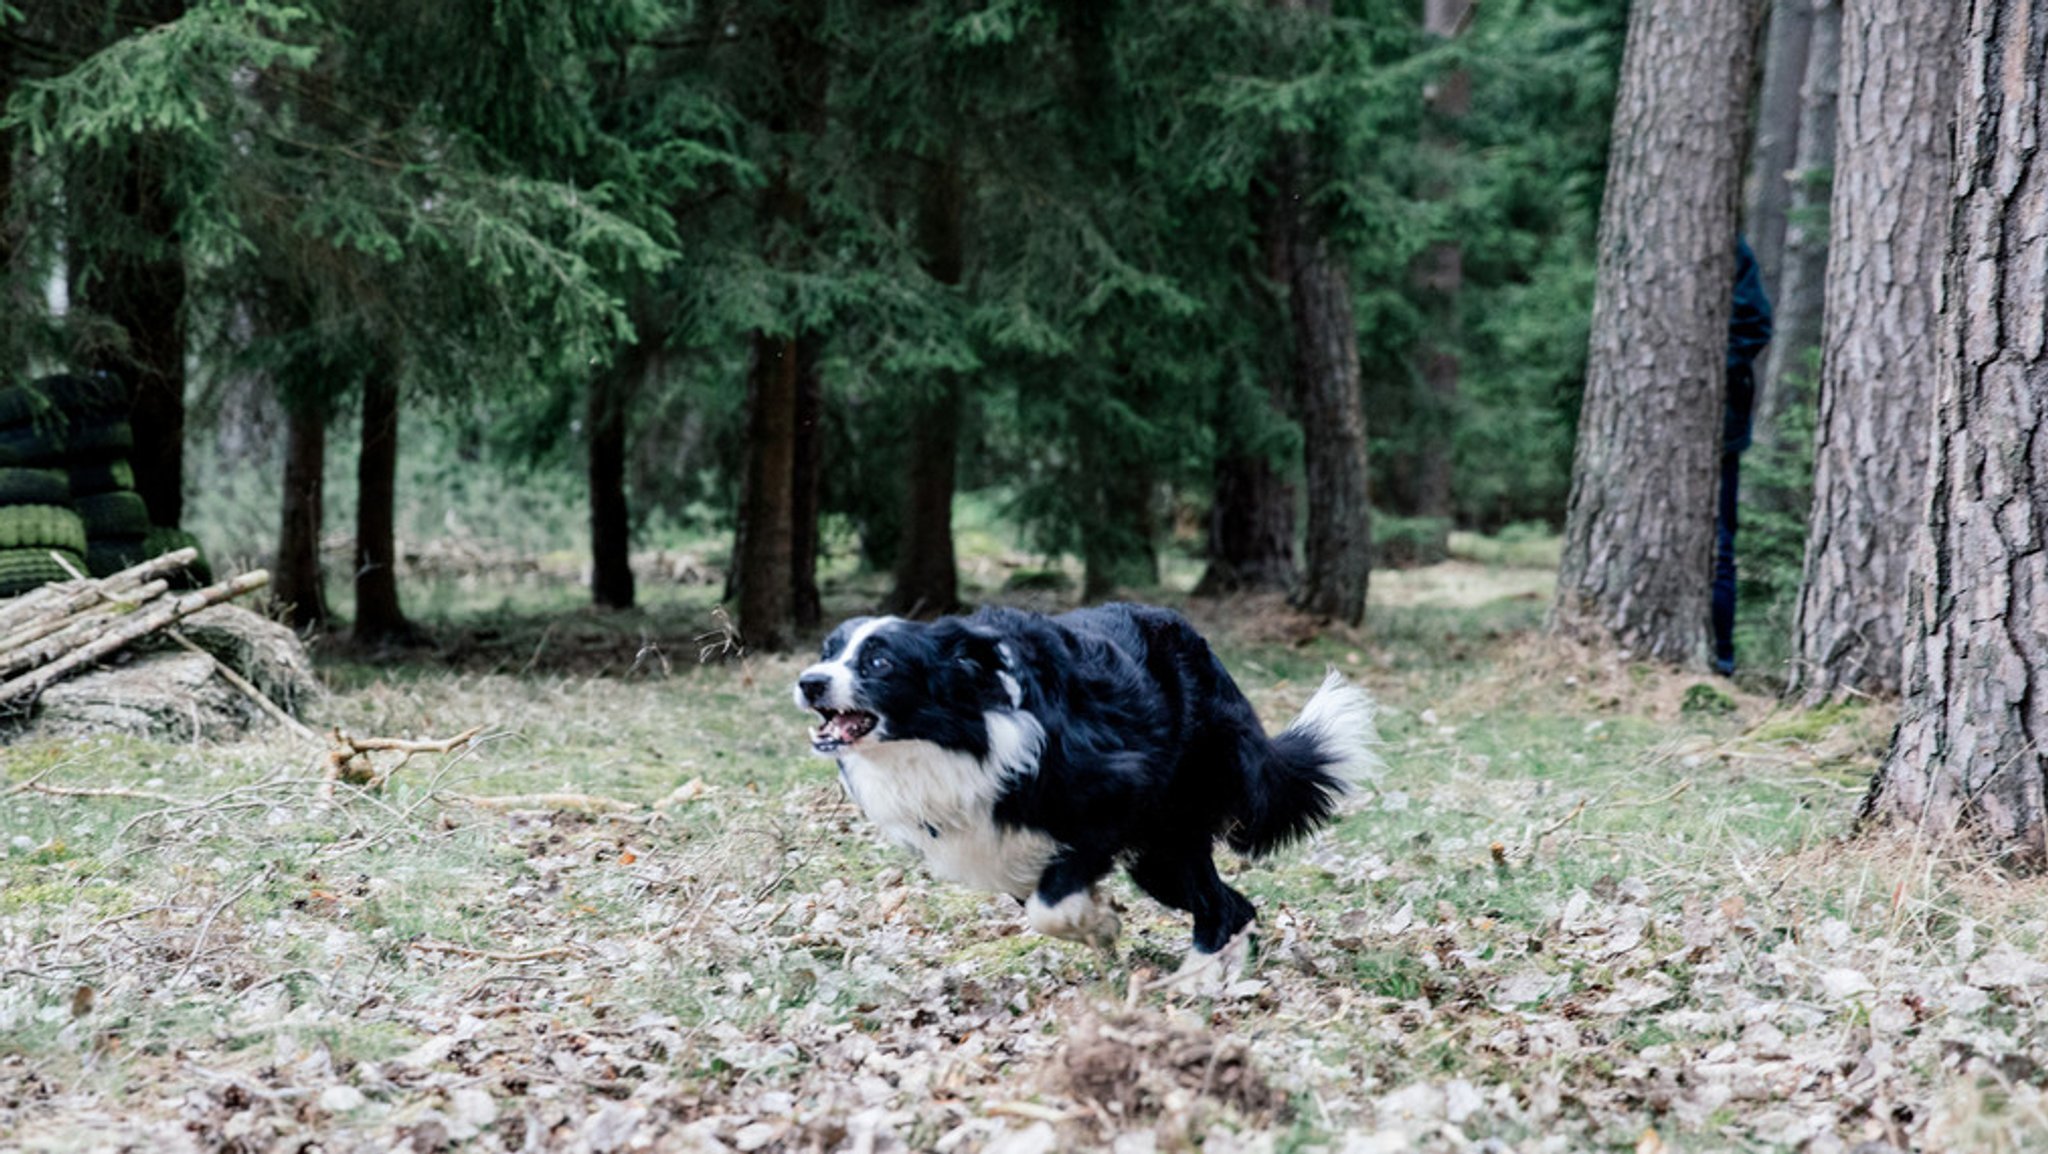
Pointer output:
x,y
1309,766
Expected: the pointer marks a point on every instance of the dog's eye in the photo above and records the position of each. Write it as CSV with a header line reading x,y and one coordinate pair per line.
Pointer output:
x,y
876,664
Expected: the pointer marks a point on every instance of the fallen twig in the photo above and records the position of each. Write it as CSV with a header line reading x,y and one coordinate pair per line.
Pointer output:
x,y
580,802
101,791
428,945
349,761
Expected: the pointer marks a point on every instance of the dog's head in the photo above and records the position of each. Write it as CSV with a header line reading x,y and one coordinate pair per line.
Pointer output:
x,y
886,679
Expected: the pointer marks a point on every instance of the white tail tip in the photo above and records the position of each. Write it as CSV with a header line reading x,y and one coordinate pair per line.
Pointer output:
x,y
1340,718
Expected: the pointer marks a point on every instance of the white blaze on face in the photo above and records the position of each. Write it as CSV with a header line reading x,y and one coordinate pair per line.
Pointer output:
x,y
840,669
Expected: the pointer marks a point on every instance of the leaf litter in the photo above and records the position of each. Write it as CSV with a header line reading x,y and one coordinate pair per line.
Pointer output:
x,y
747,969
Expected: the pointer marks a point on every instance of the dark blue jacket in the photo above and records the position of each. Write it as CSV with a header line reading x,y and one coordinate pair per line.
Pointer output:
x,y
1749,330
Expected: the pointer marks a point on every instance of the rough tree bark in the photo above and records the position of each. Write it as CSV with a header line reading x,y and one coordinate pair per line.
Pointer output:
x,y
1337,554
1889,230
1801,289
297,585
611,526
379,618
1337,545
1970,755
1251,512
1767,190
775,549
763,556
927,578
1639,525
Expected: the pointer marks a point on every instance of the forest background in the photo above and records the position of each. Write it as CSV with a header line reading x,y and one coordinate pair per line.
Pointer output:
x,y
730,319
641,249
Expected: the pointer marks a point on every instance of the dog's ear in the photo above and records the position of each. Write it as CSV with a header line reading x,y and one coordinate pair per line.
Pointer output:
x,y
982,650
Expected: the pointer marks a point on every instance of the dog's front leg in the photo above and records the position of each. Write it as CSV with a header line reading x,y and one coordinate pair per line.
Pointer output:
x,y
1067,904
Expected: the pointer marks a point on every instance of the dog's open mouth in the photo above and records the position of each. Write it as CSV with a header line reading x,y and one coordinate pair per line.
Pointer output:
x,y
841,727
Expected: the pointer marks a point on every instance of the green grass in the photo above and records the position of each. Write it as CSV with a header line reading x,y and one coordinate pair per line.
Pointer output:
x,y
1567,908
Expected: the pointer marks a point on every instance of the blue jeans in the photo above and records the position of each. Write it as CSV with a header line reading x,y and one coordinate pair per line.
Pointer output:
x,y
1724,566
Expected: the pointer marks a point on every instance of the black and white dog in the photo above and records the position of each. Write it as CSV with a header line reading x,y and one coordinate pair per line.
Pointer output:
x,y
1030,755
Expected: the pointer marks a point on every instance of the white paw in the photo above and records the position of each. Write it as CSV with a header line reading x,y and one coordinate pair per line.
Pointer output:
x,y
1078,917
1208,975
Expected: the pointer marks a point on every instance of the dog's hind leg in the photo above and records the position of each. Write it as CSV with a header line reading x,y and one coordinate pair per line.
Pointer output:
x,y
1067,905
1186,879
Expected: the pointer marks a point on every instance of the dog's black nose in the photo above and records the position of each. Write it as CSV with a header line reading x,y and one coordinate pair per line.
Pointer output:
x,y
813,685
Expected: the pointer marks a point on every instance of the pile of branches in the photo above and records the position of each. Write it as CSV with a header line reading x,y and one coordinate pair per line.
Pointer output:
x,y
68,626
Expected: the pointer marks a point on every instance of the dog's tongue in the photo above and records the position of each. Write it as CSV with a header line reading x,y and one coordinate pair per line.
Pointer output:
x,y
847,727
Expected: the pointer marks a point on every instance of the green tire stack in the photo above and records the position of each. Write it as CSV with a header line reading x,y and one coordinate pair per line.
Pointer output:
x,y
41,426
66,485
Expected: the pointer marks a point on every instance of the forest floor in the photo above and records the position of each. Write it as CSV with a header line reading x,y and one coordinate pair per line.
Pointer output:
x,y
1588,905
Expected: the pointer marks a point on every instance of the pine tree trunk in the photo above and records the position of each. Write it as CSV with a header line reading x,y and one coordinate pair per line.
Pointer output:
x,y
126,233
1337,555
1640,522
296,583
1251,518
143,294
927,577
611,528
1801,289
1251,513
927,581
1890,229
764,555
775,550
1970,755
806,606
379,619
1767,190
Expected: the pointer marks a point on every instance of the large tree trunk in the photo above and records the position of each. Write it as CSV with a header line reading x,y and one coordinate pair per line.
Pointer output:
x,y
1337,555
1639,526
1767,190
379,619
776,548
763,555
1251,513
1890,228
296,582
927,578
126,243
611,526
139,286
1970,755
1801,290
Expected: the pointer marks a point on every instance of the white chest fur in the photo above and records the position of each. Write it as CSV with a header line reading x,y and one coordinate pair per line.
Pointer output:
x,y
941,804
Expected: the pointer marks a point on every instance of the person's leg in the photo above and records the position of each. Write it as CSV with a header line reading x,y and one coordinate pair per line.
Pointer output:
x,y
1724,567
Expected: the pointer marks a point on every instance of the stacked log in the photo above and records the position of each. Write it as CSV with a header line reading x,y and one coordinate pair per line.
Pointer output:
x,y
67,627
